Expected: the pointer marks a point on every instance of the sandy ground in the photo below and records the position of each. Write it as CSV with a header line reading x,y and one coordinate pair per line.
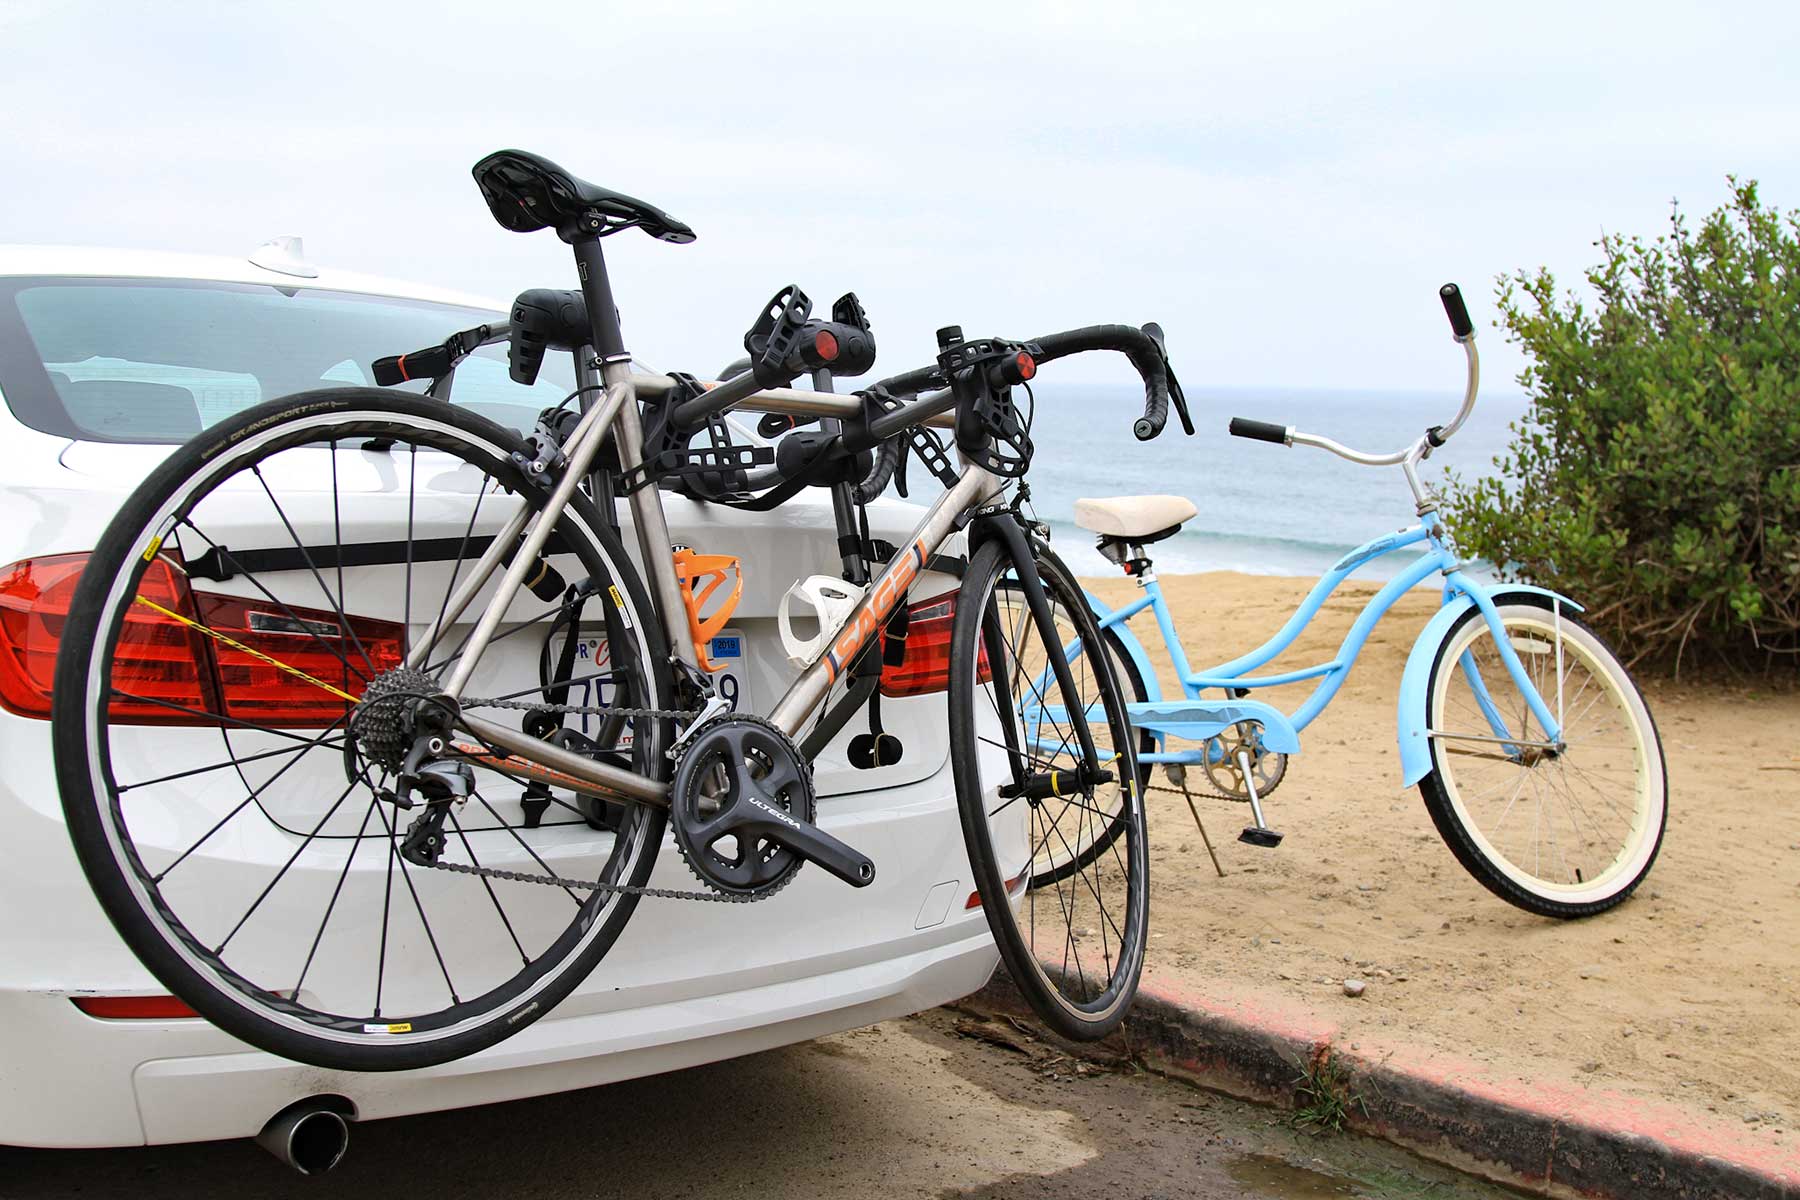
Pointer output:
x,y
1689,992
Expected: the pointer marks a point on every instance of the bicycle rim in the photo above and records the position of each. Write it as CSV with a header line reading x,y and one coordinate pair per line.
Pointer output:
x,y
246,845
1072,939
1573,829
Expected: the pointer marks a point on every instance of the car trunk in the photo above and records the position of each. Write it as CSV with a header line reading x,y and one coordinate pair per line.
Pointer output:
x,y
774,549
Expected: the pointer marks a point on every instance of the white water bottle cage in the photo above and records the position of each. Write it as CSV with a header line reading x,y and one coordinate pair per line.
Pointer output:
x,y
832,600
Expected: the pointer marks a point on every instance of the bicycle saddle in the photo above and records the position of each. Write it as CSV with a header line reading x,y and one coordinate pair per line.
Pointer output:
x,y
526,192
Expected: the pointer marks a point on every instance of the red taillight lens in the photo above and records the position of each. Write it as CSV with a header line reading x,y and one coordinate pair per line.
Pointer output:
x,y
134,1008
927,664
161,666
1011,889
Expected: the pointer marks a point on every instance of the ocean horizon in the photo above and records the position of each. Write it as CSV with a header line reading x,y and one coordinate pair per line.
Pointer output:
x,y
1264,509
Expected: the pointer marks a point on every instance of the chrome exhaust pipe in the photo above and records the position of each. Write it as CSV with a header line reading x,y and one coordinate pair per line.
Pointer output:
x,y
309,1135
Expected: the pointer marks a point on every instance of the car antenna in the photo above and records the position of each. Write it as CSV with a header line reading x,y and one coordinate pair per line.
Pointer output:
x,y
285,254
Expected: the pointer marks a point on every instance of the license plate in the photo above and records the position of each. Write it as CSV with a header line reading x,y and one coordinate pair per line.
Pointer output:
x,y
594,686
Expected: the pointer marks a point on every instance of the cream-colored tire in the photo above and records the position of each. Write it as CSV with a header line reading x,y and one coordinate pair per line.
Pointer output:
x,y
1562,830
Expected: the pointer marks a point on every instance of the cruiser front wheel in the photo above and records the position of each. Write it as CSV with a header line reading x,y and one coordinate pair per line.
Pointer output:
x,y
1565,828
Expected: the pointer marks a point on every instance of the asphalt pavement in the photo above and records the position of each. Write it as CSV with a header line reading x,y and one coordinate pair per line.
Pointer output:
x,y
940,1105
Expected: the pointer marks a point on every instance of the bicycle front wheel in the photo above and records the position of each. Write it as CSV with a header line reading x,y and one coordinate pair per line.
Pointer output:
x,y
234,803
1055,829
1562,830
1058,861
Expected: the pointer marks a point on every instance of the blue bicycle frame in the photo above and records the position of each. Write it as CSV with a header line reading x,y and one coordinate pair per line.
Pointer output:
x,y
1194,719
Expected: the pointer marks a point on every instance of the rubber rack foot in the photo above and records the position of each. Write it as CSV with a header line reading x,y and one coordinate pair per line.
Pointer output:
x,y
1256,835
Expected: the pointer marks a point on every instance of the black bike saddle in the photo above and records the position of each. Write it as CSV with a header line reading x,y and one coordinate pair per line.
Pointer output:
x,y
526,193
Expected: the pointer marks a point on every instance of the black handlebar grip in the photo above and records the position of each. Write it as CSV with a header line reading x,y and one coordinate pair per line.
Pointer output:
x,y
1454,308
1262,431
1156,411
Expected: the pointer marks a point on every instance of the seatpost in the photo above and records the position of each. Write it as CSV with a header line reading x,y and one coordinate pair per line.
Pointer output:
x,y
596,290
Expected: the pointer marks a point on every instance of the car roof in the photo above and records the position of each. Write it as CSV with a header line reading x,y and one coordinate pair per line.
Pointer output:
x,y
104,262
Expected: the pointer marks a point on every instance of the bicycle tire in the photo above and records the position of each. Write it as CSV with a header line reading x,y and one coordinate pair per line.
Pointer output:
x,y
985,735
1604,874
344,424
1132,689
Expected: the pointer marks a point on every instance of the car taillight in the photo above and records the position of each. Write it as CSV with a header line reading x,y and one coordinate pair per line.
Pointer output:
x,y
926,667
1012,889
162,666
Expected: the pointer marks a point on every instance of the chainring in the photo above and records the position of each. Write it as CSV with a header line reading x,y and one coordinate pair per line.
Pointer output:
x,y
731,772
1227,777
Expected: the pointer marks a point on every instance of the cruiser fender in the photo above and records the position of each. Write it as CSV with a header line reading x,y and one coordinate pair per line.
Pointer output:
x,y
1134,649
1415,750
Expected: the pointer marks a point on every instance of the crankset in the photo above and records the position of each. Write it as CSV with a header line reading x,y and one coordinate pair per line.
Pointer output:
x,y
1224,763
742,807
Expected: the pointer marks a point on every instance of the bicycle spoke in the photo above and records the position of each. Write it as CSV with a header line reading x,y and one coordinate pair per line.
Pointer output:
x,y
231,562
292,858
254,797
337,606
406,878
489,885
331,906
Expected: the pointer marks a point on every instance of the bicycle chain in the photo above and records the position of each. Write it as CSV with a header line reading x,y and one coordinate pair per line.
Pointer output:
x,y
1196,793
616,889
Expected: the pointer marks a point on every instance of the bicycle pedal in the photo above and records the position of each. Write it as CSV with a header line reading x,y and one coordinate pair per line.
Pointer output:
x,y
1257,835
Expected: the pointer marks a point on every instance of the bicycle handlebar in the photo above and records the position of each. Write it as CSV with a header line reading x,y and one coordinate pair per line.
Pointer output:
x,y
1462,329
1142,347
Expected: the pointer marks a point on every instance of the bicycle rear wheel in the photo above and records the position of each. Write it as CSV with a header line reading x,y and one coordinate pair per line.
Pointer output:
x,y
234,804
1072,933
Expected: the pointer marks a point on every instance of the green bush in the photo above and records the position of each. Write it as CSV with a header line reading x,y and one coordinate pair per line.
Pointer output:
x,y
1655,477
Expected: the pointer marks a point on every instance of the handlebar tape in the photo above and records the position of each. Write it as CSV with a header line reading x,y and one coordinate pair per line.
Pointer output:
x,y
1142,348
1262,431
1458,313
1146,356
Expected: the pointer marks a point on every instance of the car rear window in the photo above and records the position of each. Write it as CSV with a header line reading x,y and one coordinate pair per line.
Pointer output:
x,y
131,360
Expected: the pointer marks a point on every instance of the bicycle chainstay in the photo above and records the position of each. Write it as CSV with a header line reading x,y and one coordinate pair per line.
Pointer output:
x,y
619,889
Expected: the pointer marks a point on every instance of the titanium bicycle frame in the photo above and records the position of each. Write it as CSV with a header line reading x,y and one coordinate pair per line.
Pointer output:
x,y
605,366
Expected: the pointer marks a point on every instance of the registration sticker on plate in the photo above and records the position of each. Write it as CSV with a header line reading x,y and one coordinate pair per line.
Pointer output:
x,y
593,683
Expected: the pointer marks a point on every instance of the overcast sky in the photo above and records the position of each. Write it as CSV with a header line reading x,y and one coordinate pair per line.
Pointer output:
x,y
1283,186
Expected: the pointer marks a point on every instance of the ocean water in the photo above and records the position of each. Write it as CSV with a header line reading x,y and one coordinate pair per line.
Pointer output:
x,y
1265,509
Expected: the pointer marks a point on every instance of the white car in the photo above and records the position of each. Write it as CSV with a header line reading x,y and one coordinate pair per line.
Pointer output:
x,y
107,360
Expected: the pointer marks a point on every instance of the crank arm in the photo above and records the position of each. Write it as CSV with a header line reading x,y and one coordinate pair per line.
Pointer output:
x,y
807,840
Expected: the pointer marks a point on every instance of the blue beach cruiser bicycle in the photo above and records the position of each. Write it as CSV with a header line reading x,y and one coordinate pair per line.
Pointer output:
x,y
1533,748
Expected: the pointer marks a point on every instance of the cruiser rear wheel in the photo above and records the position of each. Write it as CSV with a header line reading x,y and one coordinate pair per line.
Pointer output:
x,y
233,798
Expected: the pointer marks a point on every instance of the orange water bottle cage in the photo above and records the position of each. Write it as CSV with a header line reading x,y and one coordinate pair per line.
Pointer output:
x,y
701,576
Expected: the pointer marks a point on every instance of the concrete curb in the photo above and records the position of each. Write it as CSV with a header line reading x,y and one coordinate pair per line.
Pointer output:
x,y
1554,1139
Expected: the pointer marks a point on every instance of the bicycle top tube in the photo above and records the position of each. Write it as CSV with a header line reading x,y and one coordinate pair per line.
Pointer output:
x,y
1234,674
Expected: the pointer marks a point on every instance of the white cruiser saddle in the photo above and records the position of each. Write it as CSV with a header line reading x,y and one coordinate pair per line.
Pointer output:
x,y
1134,518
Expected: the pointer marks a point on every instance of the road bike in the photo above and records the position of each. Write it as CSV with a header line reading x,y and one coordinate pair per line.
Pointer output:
x,y
320,640
1533,748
